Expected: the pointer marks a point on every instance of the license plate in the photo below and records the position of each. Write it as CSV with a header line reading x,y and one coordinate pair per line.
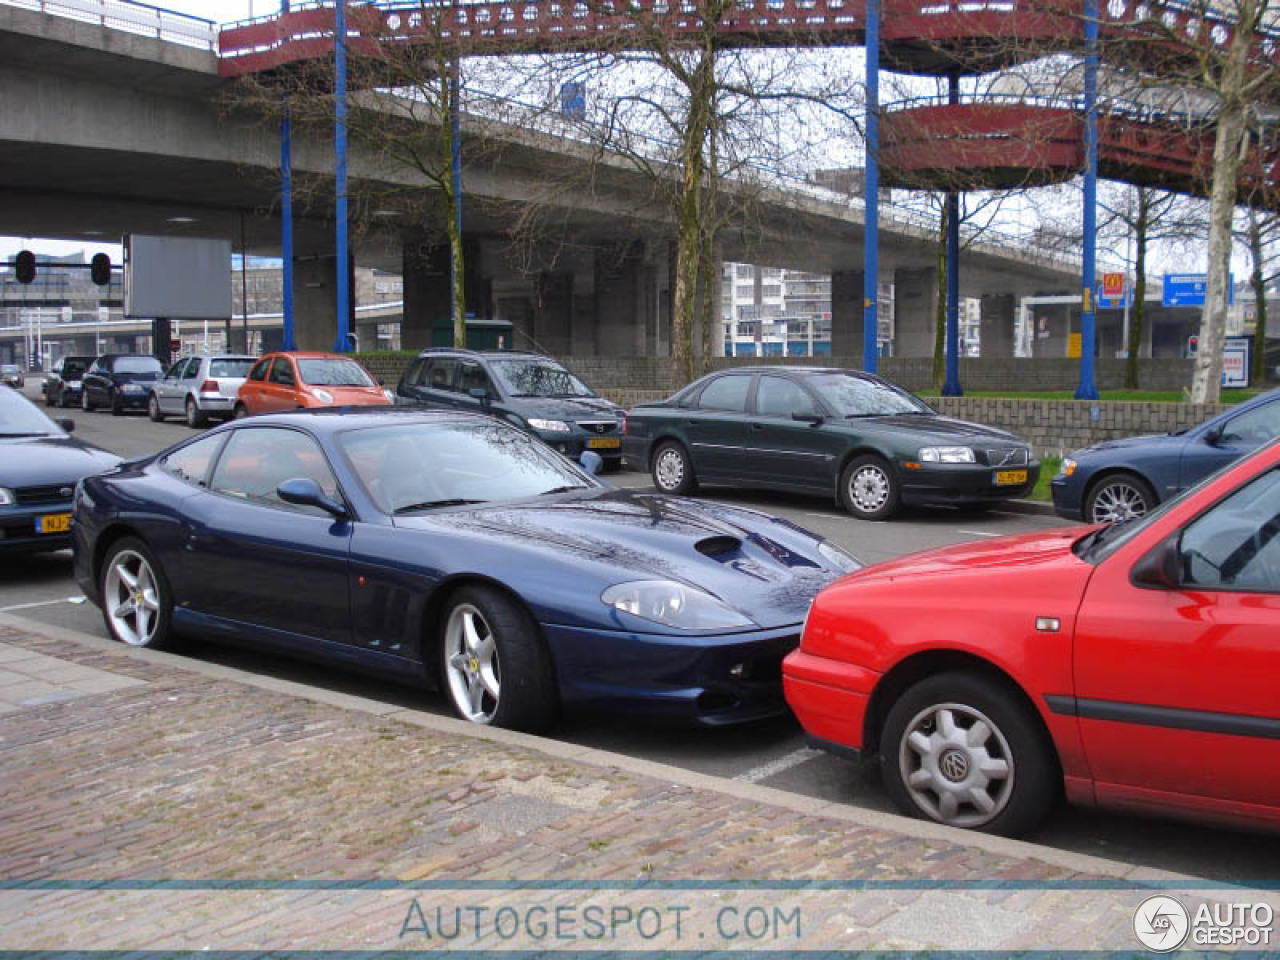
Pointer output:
x,y
604,443
53,523
1005,478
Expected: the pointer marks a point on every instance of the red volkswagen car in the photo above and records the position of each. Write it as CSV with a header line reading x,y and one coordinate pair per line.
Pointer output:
x,y
1131,666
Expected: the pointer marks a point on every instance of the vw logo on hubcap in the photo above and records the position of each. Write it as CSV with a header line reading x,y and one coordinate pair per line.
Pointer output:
x,y
954,765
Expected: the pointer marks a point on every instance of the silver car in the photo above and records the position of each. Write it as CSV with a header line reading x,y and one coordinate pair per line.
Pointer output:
x,y
199,388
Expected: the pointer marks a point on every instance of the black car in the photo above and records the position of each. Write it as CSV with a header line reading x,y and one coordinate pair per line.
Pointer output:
x,y
40,464
531,391
62,384
868,442
120,381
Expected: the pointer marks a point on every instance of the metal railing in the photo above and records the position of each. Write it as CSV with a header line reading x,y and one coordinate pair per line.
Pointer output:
x,y
131,17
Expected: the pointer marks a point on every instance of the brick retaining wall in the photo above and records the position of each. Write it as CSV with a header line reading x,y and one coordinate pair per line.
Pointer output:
x,y
1055,427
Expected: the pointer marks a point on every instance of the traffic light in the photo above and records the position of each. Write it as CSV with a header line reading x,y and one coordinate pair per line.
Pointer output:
x,y
24,266
1193,344
100,269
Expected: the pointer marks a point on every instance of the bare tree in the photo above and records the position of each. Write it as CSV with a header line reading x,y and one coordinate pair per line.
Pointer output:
x,y
1258,235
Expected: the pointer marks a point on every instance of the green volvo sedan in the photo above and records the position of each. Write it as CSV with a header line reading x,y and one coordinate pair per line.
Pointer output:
x,y
843,433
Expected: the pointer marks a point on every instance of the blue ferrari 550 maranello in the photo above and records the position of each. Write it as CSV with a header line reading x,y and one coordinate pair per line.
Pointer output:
x,y
457,549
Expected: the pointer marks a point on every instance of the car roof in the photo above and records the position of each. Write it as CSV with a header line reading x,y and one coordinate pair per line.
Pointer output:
x,y
484,354
308,355
331,420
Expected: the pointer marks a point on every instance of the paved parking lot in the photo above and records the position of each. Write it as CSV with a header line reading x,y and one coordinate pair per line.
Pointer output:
x,y
773,754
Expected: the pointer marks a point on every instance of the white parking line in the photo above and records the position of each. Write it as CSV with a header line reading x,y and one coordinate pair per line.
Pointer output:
x,y
763,772
42,603
980,533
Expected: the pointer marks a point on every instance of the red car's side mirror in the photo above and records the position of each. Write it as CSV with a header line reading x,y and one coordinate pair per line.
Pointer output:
x,y
1161,567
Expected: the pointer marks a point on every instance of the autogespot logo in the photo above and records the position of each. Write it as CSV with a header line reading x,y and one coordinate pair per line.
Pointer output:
x,y
1161,923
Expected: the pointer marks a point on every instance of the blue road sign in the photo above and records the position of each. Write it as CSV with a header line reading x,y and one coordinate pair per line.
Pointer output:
x,y
1114,303
1188,289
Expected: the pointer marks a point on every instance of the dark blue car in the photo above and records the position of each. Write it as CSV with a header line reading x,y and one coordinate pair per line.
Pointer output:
x,y
453,548
40,464
1118,480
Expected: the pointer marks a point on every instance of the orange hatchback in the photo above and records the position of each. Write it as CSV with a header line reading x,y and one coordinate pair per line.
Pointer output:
x,y
296,380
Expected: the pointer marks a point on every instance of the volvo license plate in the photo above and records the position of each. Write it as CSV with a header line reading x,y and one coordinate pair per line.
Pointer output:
x,y
1008,478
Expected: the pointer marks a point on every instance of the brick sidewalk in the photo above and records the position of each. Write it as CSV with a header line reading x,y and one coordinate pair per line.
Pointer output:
x,y
175,778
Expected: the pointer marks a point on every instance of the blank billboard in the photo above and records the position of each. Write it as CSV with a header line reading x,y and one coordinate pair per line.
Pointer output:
x,y
181,278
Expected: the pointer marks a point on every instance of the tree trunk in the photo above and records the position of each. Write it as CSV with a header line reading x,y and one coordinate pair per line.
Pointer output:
x,y
940,310
1140,228
1259,281
1206,379
688,217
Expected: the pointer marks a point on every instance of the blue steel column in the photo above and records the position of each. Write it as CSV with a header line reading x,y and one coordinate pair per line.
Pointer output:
x,y
1087,390
286,217
341,344
455,159
871,228
952,388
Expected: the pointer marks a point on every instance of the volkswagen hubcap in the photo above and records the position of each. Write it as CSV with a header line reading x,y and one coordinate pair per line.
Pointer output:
x,y
471,661
956,765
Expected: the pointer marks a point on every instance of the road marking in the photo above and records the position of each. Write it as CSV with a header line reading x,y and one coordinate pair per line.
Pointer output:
x,y
980,533
42,603
825,516
763,772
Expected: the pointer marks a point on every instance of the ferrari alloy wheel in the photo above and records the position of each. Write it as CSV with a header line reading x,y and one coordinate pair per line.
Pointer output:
x,y
475,677
672,469
494,666
961,749
868,488
135,596
1119,497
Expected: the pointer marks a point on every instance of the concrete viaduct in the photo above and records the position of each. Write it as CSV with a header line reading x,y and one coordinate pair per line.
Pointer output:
x,y
104,132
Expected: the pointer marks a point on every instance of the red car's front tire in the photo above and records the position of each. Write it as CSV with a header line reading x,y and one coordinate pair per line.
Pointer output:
x,y
963,749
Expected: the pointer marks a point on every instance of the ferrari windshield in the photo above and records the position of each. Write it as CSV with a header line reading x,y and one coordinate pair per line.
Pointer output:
x,y
415,466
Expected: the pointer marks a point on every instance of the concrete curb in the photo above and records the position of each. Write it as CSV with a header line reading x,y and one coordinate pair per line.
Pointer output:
x,y
1041,508
999,846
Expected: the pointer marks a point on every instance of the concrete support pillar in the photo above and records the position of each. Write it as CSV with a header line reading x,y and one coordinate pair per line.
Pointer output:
x,y
998,317
315,301
915,311
553,312
620,301
427,318
846,314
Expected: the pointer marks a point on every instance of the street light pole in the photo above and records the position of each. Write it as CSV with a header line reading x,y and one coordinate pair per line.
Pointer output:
x,y
1087,390
341,344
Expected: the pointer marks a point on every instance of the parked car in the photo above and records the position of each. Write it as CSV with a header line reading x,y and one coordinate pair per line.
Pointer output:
x,y
1131,665
199,388
61,386
1118,480
297,380
40,464
534,392
455,548
11,376
121,381
868,442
